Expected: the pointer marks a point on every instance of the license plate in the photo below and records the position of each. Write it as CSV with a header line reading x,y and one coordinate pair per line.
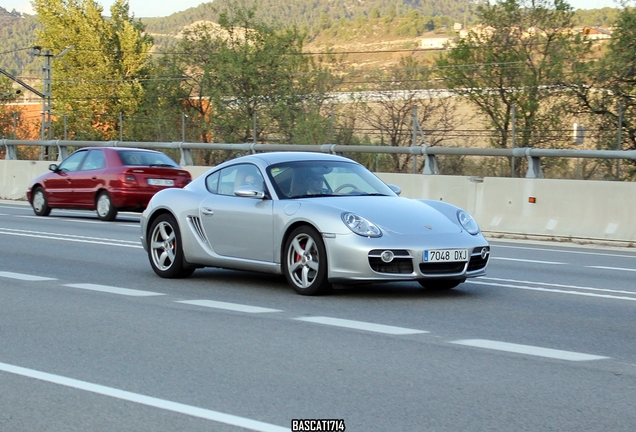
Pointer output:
x,y
160,182
446,255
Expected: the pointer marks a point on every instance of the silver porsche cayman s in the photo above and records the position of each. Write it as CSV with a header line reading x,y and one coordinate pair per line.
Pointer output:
x,y
319,219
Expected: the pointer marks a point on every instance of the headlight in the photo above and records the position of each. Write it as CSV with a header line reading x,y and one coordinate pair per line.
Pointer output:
x,y
360,225
467,222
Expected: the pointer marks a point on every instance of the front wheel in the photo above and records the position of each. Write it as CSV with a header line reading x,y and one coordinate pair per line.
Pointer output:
x,y
305,262
40,204
106,211
439,285
165,251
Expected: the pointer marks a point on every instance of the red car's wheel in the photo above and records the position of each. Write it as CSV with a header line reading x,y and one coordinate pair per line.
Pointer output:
x,y
105,209
305,262
39,203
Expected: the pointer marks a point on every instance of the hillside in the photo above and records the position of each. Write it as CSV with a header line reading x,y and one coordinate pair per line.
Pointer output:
x,y
344,26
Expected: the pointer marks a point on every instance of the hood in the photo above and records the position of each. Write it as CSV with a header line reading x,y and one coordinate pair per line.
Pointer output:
x,y
397,215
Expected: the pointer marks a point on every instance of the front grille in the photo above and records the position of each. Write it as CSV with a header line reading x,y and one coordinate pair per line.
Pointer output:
x,y
403,266
477,262
442,268
402,262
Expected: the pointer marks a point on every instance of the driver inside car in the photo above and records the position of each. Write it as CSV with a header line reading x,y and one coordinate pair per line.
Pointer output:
x,y
316,185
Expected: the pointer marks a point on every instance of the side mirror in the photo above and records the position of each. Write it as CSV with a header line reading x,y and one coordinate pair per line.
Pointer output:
x,y
54,168
249,191
395,189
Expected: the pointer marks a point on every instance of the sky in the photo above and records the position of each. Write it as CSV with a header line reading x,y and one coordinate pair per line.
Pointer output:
x,y
158,8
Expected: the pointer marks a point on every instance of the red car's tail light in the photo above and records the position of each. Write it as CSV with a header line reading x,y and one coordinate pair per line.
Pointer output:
x,y
128,179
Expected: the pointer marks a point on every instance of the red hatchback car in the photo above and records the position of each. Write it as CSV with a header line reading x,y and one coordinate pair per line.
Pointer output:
x,y
106,179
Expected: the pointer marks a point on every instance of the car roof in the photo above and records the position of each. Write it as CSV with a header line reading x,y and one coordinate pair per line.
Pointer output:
x,y
120,148
279,157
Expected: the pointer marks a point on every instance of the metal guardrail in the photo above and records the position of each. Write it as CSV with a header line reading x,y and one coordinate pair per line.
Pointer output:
x,y
431,167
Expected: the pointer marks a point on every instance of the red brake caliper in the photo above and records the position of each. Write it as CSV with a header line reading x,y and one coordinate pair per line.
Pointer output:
x,y
302,245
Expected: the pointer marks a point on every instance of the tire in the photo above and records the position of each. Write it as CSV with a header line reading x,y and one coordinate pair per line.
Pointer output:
x,y
305,262
39,202
104,206
439,285
165,251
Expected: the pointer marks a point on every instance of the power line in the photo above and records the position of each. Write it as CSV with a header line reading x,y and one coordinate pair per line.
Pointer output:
x,y
15,50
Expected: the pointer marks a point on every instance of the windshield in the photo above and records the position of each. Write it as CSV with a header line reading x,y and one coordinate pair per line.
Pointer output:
x,y
325,178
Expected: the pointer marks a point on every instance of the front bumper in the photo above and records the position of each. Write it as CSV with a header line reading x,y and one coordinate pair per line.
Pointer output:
x,y
354,258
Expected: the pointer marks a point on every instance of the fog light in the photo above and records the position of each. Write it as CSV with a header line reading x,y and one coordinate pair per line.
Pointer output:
x,y
387,256
484,252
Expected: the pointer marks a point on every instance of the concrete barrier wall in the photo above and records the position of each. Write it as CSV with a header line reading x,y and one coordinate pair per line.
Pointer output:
x,y
563,209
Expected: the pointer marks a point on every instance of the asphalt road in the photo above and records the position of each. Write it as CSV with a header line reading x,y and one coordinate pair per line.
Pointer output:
x,y
92,340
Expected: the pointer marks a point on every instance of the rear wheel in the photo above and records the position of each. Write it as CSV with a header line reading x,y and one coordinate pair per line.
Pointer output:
x,y
439,285
305,262
105,209
165,251
39,203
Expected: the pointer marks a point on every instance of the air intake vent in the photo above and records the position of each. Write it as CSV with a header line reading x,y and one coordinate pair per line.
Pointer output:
x,y
195,225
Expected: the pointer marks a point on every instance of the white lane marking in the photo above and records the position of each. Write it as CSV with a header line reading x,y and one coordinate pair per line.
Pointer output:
x,y
113,290
564,251
529,350
361,325
612,268
163,404
70,237
527,260
559,291
64,219
228,306
24,277
88,221
560,285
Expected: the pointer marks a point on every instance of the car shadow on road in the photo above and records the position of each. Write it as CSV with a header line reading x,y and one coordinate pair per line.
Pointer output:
x,y
397,290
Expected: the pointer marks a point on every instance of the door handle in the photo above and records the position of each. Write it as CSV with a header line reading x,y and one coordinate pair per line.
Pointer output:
x,y
206,211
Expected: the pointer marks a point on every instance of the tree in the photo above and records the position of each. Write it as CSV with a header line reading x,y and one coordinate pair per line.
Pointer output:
x,y
398,98
604,90
9,113
513,64
100,75
243,71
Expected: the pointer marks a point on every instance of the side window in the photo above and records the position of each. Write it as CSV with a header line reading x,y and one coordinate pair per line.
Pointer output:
x,y
227,179
212,182
94,160
72,162
239,175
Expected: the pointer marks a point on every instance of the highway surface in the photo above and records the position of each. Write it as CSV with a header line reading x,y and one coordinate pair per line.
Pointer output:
x,y
92,340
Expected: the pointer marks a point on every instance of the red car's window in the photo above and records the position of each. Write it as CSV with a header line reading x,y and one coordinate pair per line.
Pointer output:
x,y
95,160
146,158
72,162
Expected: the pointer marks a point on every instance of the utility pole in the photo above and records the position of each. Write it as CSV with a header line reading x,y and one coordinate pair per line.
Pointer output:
x,y
513,138
46,92
15,125
183,126
619,138
46,99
